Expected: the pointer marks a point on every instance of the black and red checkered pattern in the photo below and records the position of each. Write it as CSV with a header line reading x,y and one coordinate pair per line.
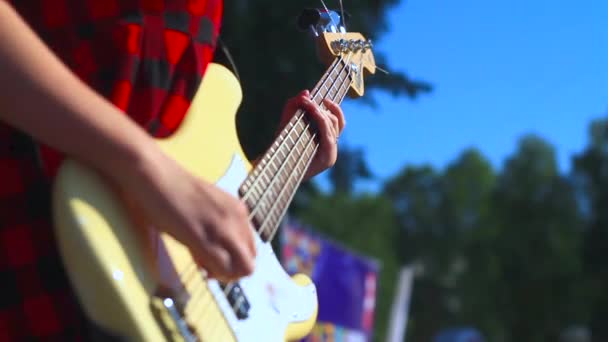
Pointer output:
x,y
145,56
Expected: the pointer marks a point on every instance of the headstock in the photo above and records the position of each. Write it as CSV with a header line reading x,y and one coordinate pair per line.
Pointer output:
x,y
334,42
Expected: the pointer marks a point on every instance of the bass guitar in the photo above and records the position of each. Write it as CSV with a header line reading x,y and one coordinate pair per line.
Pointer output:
x,y
143,285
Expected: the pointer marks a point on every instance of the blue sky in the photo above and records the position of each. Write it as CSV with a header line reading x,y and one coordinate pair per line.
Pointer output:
x,y
500,69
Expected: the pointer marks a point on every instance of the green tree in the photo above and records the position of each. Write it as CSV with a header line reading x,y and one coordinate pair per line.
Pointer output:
x,y
468,183
591,175
275,61
349,168
498,252
416,195
527,257
436,212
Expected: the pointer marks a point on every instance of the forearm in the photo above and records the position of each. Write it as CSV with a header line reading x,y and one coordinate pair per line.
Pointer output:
x,y
41,97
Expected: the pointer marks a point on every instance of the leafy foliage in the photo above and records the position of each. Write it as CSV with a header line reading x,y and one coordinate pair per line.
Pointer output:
x,y
275,61
591,176
515,252
535,247
349,168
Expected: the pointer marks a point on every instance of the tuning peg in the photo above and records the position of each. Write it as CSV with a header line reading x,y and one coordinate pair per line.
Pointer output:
x,y
361,44
319,21
342,45
352,45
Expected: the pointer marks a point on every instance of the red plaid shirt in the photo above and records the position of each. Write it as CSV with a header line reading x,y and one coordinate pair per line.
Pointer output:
x,y
145,56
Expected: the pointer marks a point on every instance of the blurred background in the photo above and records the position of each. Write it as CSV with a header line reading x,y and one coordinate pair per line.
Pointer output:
x,y
470,198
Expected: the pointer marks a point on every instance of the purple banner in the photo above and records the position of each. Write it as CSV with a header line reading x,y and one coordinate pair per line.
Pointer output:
x,y
346,284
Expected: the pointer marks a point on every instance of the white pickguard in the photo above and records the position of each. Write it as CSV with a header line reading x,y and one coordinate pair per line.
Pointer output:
x,y
276,301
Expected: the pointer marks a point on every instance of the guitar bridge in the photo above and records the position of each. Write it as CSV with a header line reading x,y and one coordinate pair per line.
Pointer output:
x,y
172,322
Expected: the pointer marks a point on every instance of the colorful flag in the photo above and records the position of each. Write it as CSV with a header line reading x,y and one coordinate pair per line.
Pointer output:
x,y
346,284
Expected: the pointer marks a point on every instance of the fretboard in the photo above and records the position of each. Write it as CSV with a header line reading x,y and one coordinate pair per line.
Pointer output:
x,y
270,187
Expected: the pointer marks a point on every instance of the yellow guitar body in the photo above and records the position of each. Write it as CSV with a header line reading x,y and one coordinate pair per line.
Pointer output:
x,y
118,268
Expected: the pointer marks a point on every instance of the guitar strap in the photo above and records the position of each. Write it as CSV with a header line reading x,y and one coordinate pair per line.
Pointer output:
x,y
225,57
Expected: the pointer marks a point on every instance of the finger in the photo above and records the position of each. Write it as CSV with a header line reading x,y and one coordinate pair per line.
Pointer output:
x,y
291,106
326,134
208,252
215,260
336,110
318,116
246,230
332,128
296,101
334,125
241,258
251,243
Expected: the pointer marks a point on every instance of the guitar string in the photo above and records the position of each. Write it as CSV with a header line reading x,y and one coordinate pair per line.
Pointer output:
x,y
327,75
301,175
338,94
230,286
198,308
210,298
343,16
195,317
267,191
298,116
195,302
197,293
199,311
298,163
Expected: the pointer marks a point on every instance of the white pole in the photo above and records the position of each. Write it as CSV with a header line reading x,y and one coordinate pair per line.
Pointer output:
x,y
401,304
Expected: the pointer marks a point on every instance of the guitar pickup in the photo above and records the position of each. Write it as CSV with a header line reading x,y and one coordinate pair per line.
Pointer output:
x,y
237,299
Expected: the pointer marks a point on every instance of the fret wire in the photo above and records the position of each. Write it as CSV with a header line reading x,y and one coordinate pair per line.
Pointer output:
x,y
265,178
299,177
261,176
303,133
269,187
291,141
262,225
275,151
345,67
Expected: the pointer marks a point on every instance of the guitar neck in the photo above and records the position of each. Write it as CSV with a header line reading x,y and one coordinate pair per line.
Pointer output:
x,y
270,187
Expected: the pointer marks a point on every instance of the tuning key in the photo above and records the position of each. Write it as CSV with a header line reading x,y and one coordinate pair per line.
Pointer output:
x,y
340,45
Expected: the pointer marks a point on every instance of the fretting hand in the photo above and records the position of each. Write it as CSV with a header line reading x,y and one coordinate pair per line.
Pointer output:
x,y
330,124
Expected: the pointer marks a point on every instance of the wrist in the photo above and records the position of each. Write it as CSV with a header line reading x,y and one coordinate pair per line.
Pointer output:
x,y
127,159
